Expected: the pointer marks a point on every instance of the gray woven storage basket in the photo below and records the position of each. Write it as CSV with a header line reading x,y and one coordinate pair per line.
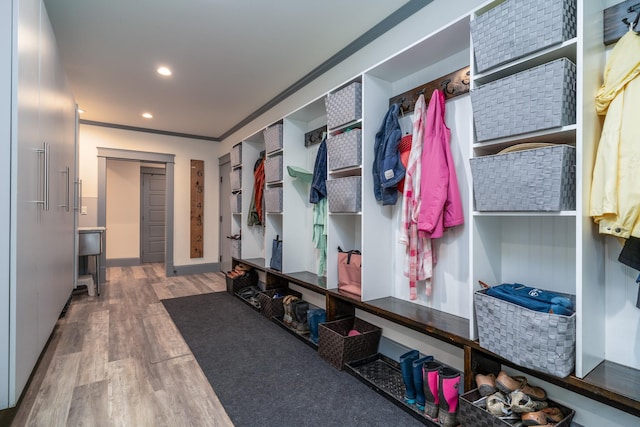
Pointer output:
x,y
344,149
273,199
344,105
236,155
272,307
539,98
235,179
477,416
344,194
273,168
517,28
544,342
249,278
541,179
273,138
235,200
236,246
337,348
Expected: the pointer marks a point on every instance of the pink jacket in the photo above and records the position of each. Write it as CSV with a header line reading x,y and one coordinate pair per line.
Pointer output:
x,y
440,206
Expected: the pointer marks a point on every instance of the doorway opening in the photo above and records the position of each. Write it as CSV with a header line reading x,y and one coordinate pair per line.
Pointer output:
x,y
159,159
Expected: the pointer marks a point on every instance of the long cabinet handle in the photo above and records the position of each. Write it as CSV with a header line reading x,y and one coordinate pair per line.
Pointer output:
x,y
44,151
77,194
65,171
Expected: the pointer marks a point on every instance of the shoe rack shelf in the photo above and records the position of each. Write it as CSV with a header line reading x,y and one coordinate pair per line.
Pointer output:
x,y
383,374
603,384
304,337
247,302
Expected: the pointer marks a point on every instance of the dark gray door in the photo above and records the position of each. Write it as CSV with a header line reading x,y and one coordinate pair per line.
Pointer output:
x,y
225,214
152,214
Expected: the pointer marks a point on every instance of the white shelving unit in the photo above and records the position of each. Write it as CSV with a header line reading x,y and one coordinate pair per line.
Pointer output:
x,y
559,251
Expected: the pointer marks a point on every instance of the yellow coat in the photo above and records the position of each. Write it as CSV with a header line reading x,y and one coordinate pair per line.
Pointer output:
x,y
615,189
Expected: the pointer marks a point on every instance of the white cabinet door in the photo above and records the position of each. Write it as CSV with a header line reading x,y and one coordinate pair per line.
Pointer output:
x,y
43,143
5,194
27,189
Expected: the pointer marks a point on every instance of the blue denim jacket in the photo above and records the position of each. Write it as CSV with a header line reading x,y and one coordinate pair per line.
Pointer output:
x,y
319,180
388,170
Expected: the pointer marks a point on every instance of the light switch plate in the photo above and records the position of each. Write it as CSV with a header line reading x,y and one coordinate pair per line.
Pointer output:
x,y
83,210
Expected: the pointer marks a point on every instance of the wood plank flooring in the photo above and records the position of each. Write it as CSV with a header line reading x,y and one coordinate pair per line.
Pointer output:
x,y
119,360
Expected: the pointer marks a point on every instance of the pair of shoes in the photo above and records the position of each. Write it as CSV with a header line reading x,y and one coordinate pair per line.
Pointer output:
x,y
541,418
411,366
287,305
441,391
522,403
254,301
431,386
235,274
499,404
486,384
238,271
507,384
517,402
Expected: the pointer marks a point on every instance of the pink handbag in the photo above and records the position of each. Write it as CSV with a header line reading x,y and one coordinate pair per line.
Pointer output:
x,y
349,271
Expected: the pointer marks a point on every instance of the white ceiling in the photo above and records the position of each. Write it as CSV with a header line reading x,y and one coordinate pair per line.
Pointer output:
x,y
229,57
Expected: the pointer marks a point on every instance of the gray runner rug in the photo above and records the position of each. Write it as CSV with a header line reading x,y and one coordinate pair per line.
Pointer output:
x,y
264,376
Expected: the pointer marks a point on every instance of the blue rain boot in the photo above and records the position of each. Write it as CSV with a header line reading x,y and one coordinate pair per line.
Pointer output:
x,y
406,366
315,317
418,380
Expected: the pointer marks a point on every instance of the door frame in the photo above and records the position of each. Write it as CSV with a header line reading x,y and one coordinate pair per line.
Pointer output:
x,y
105,154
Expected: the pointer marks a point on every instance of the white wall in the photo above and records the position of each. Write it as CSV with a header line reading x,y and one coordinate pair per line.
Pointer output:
x,y
123,209
184,150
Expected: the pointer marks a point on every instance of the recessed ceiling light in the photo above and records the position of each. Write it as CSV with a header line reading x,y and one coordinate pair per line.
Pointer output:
x,y
147,115
164,71
80,111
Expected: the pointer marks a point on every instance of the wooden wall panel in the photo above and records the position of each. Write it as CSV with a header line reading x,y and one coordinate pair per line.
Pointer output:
x,y
197,208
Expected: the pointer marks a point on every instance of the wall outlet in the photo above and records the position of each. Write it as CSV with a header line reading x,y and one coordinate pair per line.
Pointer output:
x,y
83,210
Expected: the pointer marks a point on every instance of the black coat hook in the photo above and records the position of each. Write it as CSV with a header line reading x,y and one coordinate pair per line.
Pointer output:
x,y
632,25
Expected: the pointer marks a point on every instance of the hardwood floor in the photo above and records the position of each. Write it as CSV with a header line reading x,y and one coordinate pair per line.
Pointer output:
x,y
118,359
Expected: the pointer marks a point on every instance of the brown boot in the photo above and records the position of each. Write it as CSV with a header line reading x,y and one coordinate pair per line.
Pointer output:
x,y
507,384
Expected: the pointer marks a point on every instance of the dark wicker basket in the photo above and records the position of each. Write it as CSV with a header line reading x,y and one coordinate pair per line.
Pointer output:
x,y
272,307
477,416
337,348
249,278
